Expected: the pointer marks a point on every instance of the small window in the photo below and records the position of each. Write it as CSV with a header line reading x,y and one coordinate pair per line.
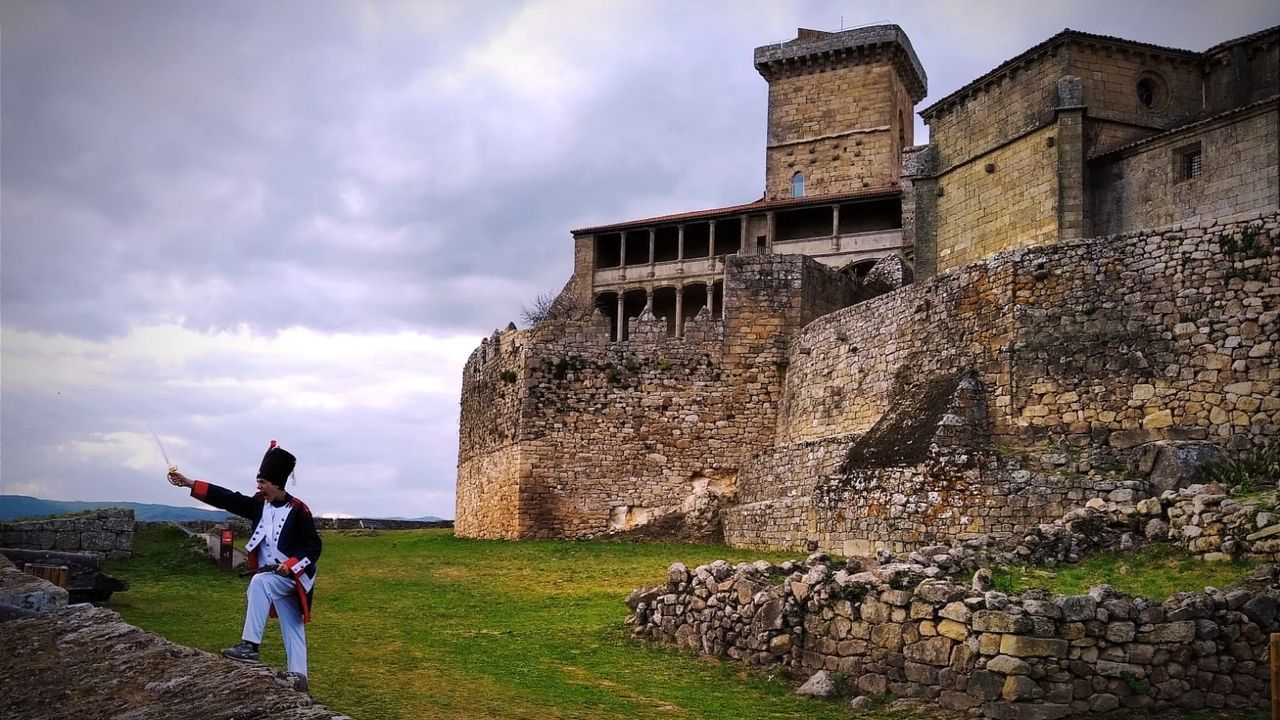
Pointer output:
x,y
797,185
1151,92
1189,162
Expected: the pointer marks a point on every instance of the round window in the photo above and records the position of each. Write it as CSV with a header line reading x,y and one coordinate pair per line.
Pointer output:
x,y
1151,92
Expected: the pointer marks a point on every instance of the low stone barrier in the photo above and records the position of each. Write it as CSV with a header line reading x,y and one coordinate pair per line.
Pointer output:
x,y
900,628
108,532
85,662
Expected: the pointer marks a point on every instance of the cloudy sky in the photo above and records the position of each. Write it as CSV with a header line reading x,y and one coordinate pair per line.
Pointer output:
x,y
242,221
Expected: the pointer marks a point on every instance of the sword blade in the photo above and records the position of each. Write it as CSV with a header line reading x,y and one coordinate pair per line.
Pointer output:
x,y
160,445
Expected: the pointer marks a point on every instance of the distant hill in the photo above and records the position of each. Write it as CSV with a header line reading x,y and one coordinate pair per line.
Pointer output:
x,y
13,507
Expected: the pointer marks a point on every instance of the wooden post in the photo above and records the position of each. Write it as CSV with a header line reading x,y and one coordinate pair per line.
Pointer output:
x,y
1275,676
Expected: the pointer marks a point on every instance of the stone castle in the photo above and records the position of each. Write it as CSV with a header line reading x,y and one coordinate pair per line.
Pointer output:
x,y
1070,291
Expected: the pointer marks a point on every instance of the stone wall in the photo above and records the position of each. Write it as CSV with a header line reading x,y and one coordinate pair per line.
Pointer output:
x,y
566,434
488,454
1141,186
1087,353
900,628
108,532
1000,200
857,103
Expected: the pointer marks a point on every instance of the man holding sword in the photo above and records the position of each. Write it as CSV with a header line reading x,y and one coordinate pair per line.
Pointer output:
x,y
284,535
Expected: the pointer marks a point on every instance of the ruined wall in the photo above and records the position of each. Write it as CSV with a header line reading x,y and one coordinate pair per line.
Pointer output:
x,y
1085,352
893,629
584,436
1142,186
1081,338
108,532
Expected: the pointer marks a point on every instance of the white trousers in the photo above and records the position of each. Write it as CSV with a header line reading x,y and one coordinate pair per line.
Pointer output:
x,y
265,590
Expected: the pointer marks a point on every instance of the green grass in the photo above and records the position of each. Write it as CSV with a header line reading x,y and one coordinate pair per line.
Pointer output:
x,y
1155,572
420,624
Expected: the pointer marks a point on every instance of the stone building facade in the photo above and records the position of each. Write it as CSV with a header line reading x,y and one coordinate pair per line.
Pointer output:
x,y
777,358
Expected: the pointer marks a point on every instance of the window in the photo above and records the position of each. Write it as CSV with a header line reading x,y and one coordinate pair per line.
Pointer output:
x,y
1147,92
1151,92
797,185
1188,162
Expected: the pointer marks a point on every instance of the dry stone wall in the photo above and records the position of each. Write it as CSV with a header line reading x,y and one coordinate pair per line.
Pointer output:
x,y
902,629
107,532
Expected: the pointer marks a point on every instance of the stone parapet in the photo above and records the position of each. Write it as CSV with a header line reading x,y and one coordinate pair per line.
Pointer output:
x,y
107,532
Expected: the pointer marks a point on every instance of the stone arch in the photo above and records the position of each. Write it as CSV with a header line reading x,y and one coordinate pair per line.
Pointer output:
x,y
664,306
606,304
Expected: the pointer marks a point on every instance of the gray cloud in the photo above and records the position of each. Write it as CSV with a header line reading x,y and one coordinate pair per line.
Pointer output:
x,y
384,175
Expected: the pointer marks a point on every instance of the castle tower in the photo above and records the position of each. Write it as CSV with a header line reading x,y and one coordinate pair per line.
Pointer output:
x,y
840,110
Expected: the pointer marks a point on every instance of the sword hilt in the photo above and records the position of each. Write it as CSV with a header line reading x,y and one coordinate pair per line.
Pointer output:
x,y
173,469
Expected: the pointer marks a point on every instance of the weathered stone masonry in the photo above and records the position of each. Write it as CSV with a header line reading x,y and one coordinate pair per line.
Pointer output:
x,y
568,434
106,532
690,357
1082,353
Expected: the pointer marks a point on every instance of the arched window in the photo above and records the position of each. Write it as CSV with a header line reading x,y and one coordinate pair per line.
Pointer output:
x,y
797,185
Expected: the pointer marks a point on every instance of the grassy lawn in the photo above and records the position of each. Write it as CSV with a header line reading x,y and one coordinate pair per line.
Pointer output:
x,y
1154,571
420,624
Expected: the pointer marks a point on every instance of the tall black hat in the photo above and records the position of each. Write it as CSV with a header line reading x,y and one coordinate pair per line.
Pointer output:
x,y
277,465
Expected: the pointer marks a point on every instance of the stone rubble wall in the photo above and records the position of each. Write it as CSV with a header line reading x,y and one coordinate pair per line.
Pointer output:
x,y
901,629
1210,522
565,434
1092,356
108,532
1166,334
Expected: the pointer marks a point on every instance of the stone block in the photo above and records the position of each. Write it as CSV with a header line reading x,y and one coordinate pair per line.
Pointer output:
x,y
994,621
1020,688
1174,632
1023,646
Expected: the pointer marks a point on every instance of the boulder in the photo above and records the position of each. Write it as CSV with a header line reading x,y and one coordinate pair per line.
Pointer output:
x,y
820,685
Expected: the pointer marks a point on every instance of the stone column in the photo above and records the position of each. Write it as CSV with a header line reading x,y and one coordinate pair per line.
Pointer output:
x,y
622,256
622,317
680,311
771,222
652,242
711,240
742,236
680,242
835,228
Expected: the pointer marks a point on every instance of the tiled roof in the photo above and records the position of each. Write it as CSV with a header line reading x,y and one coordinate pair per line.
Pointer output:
x,y
1189,126
1274,30
1041,48
758,206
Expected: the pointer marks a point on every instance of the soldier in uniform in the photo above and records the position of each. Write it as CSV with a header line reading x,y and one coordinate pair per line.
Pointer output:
x,y
284,536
